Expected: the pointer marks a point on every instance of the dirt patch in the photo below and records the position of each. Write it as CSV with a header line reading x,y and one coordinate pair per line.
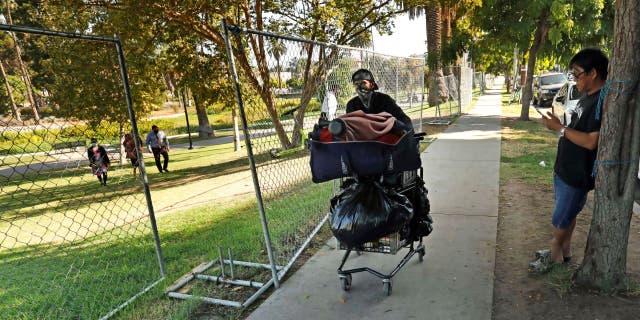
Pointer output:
x,y
523,227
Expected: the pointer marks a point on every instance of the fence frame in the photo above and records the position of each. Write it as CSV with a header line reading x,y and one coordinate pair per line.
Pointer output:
x,y
277,271
125,82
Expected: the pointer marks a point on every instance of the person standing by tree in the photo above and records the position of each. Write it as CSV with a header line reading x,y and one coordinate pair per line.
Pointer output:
x,y
98,161
577,150
130,150
158,144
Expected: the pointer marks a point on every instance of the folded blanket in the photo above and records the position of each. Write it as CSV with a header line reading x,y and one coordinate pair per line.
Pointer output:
x,y
367,127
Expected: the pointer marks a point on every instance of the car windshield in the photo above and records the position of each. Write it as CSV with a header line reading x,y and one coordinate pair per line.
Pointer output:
x,y
575,94
552,79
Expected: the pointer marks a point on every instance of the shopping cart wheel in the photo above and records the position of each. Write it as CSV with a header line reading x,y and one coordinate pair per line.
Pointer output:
x,y
386,287
345,282
421,255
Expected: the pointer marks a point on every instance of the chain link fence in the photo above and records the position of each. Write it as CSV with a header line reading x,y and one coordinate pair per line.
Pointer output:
x,y
479,84
456,93
301,75
72,247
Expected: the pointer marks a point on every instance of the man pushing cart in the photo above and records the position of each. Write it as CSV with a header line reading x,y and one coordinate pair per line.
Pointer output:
x,y
382,205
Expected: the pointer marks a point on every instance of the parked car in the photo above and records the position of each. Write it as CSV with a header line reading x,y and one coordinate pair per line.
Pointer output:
x,y
545,87
565,102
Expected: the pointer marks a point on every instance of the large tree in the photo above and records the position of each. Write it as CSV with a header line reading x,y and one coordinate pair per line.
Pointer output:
x,y
445,40
605,261
534,25
342,23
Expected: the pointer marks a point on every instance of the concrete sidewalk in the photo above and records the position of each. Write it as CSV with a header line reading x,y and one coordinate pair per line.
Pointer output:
x,y
455,281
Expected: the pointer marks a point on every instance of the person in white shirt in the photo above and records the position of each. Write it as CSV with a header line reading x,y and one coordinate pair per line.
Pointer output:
x,y
330,104
158,144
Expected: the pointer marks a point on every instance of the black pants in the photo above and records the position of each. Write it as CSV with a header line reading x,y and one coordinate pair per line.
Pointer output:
x,y
156,155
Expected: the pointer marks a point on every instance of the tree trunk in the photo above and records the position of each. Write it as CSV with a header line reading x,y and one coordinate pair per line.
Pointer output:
x,y
279,77
434,46
14,107
204,127
314,76
604,264
507,79
540,36
170,81
264,89
23,68
448,14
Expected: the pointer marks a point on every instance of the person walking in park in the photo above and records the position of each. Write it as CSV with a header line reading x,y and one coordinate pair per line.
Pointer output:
x,y
130,149
370,101
98,161
573,176
158,144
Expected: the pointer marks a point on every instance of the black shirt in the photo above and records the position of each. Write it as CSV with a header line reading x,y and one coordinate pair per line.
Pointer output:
x,y
380,102
574,164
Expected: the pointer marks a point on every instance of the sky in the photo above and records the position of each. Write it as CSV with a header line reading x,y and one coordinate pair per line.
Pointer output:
x,y
409,37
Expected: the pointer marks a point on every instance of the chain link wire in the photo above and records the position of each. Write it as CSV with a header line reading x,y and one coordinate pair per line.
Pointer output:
x,y
71,247
456,91
302,74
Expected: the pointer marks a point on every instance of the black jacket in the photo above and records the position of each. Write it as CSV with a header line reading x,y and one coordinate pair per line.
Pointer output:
x,y
102,151
380,102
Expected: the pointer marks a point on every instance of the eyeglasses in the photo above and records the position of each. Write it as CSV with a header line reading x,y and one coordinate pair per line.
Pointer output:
x,y
577,75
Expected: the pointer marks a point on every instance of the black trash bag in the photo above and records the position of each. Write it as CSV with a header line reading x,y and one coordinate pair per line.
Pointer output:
x,y
421,224
364,211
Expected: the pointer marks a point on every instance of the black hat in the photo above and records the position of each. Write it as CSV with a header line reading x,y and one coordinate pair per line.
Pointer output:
x,y
364,74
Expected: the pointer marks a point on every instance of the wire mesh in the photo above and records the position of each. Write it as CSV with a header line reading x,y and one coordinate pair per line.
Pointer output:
x,y
457,91
479,84
300,75
71,246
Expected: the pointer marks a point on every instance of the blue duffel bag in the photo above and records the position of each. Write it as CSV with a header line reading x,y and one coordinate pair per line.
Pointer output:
x,y
337,159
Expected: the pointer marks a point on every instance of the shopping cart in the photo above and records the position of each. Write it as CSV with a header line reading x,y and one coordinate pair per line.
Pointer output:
x,y
408,184
398,165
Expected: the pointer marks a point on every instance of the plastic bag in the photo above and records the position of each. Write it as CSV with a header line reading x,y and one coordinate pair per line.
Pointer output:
x,y
365,211
421,224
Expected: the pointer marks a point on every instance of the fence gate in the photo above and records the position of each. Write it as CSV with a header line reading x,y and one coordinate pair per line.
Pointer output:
x,y
70,247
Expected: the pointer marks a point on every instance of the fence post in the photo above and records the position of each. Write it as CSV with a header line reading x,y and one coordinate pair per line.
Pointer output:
x,y
252,163
143,172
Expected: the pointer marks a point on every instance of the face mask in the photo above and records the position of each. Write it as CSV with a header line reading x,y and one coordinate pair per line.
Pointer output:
x,y
364,94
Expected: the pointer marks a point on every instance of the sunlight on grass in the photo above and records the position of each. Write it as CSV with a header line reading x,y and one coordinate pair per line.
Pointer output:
x,y
525,144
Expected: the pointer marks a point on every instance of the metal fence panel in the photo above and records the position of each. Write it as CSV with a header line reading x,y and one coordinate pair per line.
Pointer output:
x,y
71,247
301,73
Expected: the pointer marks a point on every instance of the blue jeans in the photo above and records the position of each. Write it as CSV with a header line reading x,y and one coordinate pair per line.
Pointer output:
x,y
569,202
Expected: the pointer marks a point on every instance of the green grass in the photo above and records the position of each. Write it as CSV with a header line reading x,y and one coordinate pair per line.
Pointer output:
x,y
529,143
560,279
60,274
87,272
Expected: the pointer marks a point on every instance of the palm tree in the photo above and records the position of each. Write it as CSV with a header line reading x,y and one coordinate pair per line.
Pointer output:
x,y
432,11
277,49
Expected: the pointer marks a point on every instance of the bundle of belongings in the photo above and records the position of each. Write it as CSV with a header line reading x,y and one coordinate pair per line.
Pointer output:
x,y
373,151
362,144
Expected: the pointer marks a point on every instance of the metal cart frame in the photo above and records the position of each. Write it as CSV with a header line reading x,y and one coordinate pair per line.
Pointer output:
x,y
390,244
